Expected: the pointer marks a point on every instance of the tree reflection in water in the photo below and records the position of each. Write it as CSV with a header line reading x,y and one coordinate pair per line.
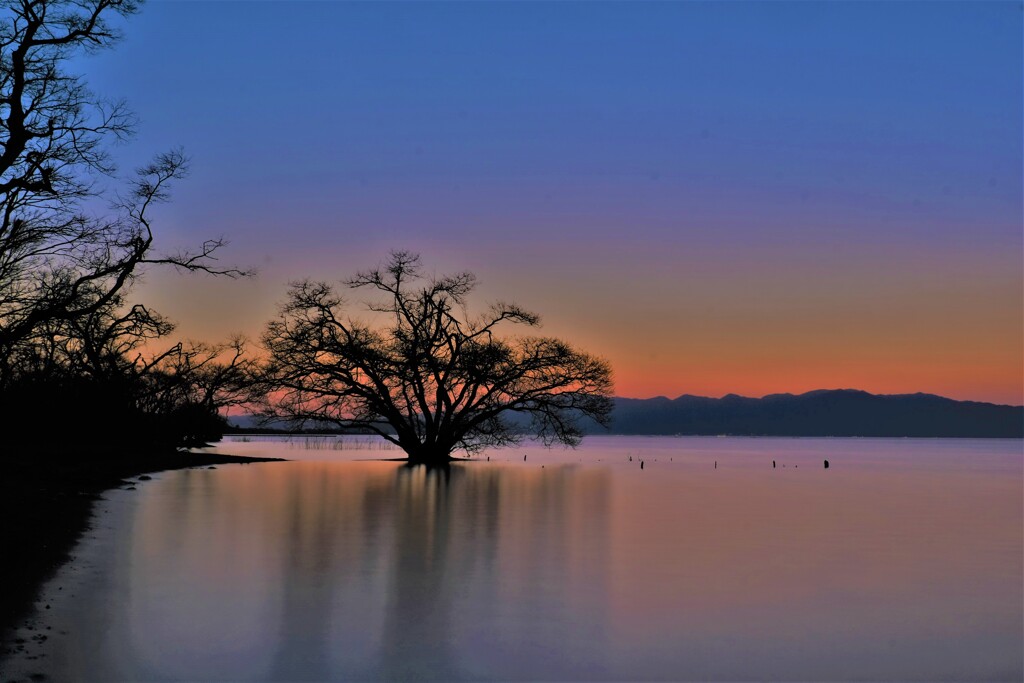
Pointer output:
x,y
473,565
366,570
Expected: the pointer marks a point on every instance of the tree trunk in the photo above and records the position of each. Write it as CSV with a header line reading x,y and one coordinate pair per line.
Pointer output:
x,y
431,456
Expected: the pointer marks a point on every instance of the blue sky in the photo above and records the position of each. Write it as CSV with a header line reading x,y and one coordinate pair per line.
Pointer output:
x,y
696,173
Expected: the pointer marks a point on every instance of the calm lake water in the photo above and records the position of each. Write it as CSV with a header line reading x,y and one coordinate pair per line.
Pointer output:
x,y
902,561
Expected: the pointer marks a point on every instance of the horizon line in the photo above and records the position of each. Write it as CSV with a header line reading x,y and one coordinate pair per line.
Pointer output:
x,y
814,391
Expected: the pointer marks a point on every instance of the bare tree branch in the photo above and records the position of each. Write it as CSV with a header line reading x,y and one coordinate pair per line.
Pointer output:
x,y
434,380
58,263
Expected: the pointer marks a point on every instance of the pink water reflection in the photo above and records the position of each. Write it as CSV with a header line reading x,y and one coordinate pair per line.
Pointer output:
x,y
901,561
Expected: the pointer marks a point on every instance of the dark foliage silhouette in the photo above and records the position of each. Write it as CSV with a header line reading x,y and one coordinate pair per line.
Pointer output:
x,y
58,262
428,377
94,377
69,342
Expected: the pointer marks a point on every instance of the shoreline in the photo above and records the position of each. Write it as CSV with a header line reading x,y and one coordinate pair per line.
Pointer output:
x,y
47,503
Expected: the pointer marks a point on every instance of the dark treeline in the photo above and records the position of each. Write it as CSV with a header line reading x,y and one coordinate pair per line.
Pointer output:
x,y
71,343
62,399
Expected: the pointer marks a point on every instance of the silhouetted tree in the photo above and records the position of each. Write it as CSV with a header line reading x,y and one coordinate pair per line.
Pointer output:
x,y
99,378
69,342
429,378
58,263
187,386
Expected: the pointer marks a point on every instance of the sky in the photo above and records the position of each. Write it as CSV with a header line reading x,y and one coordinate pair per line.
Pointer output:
x,y
716,197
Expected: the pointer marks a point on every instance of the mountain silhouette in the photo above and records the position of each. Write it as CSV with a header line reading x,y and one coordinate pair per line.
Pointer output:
x,y
824,412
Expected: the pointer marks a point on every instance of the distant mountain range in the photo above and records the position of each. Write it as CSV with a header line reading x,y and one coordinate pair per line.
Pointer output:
x,y
826,412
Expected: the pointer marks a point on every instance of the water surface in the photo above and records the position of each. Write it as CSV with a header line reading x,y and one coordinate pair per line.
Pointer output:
x,y
902,561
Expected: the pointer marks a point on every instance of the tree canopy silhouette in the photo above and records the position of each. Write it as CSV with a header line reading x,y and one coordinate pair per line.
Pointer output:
x,y
59,262
429,377
70,343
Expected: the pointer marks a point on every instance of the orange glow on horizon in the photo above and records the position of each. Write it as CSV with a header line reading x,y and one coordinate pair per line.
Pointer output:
x,y
885,322
986,381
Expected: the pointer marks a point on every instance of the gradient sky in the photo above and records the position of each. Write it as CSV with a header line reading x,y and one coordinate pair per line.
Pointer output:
x,y
717,197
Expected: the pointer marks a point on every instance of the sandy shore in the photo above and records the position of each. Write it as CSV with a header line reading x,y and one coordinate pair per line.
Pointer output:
x,y
47,504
